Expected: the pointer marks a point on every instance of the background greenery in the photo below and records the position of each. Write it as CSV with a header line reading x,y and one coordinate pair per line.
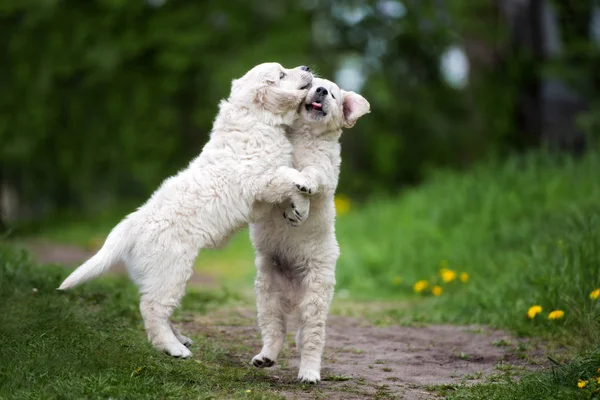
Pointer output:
x,y
526,231
101,100
495,175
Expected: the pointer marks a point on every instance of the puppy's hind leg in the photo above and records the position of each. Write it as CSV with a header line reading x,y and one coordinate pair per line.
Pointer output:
x,y
299,340
314,309
271,316
160,296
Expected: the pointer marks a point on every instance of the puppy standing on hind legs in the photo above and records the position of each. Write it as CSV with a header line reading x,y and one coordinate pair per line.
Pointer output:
x,y
246,161
296,254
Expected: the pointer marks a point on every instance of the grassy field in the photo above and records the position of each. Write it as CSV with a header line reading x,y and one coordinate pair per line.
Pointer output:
x,y
526,232
90,344
520,233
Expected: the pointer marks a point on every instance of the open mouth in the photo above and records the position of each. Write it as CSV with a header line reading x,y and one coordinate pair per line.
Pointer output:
x,y
315,106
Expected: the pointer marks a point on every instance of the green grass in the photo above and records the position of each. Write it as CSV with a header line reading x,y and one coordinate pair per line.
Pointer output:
x,y
90,344
559,384
526,230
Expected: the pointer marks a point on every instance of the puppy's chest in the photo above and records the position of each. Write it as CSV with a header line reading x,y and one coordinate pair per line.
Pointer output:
x,y
316,153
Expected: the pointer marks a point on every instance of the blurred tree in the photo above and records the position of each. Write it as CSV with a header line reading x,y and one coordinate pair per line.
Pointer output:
x,y
103,99
109,97
417,119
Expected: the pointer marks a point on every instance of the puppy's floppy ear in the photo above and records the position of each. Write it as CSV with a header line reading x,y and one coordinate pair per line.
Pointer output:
x,y
355,106
277,100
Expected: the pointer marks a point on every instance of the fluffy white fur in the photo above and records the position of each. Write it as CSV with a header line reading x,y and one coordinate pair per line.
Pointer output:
x,y
296,254
247,160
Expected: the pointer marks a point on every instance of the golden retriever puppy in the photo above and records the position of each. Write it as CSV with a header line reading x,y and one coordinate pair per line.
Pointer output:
x,y
296,254
246,161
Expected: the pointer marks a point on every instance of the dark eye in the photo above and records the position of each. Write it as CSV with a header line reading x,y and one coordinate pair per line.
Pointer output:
x,y
332,95
282,75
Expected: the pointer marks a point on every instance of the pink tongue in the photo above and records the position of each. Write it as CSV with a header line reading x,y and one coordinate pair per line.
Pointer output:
x,y
316,105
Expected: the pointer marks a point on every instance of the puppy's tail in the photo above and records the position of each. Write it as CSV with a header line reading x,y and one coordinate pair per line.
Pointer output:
x,y
111,252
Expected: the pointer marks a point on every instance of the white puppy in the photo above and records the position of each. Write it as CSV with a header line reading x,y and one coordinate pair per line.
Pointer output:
x,y
296,264
246,160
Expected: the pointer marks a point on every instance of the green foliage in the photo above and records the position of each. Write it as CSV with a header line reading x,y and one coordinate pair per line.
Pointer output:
x,y
110,97
118,95
558,384
526,230
416,120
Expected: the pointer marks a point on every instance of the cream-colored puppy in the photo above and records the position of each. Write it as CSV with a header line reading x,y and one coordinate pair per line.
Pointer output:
x,y
247,160
296,264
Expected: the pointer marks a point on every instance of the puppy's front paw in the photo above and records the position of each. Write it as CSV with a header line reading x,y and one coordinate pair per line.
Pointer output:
x,y
305,185
289,216
260,361
307,375
297,212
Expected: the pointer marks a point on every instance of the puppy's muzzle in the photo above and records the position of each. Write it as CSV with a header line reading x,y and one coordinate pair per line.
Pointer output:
x,y
307,77
318,100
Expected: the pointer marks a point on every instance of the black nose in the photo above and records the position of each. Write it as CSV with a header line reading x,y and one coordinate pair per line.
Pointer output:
x,y
322,91
305,68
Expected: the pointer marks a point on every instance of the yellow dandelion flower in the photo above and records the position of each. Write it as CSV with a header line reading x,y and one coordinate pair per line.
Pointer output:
x,y
581,383
342,204
598,379
437,290
397,281
447,275
533,311
421,285
595,294
556,314
248,391
464,277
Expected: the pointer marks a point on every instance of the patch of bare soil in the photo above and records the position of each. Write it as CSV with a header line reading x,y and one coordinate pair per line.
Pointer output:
x,y
363,361
45,252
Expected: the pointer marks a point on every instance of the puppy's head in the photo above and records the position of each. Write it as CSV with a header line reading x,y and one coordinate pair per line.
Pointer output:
x,y
327,108
272,88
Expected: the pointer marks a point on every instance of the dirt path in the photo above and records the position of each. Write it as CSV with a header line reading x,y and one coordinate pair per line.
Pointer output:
x,y
45,252
361,360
